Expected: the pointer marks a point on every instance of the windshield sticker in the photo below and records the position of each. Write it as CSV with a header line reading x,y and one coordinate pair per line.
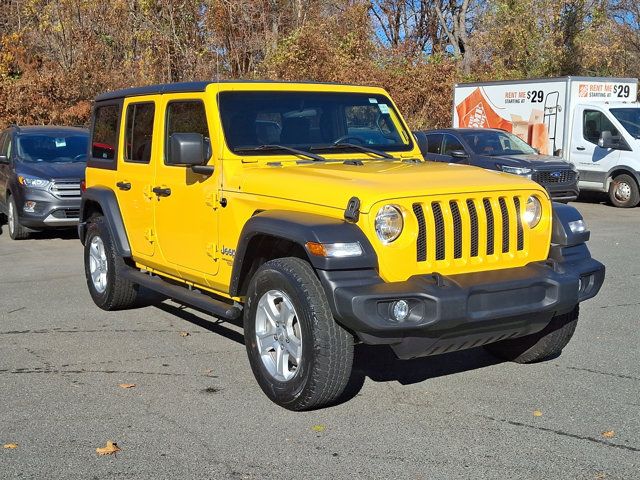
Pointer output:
x,y
373,100
61,143
384,108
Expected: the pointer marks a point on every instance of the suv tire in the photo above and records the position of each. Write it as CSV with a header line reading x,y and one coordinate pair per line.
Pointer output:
x,y
623,191
104,270
286,307
547,343
16,231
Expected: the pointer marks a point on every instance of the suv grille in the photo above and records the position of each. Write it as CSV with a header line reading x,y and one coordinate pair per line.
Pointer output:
x,y
66,188
458,234
554,176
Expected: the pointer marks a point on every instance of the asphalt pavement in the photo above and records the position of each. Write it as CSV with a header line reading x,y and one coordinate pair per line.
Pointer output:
x,y
196,411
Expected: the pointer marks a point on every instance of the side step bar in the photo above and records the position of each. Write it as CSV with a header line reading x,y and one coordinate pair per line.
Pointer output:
x,y
193,298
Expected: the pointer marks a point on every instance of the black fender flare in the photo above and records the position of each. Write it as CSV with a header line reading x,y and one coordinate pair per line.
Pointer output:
x,y
621,168
106,198
561,233
300,228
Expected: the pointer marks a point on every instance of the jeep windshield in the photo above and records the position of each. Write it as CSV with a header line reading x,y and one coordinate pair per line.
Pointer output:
x,y
52,148
494,144
323,122
629,118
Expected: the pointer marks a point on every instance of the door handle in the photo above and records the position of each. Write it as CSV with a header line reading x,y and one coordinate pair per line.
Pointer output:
x,y
124,185
161,191
580,148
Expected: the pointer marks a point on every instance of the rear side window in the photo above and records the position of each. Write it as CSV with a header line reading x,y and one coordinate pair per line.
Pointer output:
x,y
104,140
185,117
139,132
434,143
451,144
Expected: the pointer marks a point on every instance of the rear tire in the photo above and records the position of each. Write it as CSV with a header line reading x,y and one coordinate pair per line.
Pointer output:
x,y
104,270
624,192
547,343
286,309
16,231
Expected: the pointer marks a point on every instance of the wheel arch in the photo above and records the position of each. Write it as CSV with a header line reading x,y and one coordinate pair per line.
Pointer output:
x,y
619,170
103,200
278,233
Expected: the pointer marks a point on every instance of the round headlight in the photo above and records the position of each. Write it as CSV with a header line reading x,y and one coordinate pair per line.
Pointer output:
x,y
533,212
389,223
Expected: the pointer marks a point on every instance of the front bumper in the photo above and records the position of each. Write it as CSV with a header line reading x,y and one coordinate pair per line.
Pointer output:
x,y
49,212
463,311
562,193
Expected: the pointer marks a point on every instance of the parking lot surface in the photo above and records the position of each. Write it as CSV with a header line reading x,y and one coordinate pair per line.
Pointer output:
x,y
196,411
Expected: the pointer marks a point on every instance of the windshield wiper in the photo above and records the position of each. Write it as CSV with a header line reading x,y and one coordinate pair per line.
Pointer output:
x,y
267,148
355,146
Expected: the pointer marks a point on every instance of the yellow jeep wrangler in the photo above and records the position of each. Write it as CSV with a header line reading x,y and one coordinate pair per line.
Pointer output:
x,y
308,210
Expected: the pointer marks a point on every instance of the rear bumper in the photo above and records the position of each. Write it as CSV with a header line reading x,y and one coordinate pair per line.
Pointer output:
x,y
463,311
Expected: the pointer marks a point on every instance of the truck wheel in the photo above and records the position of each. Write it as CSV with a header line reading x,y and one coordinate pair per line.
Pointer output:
x,y
623,191
104,268
16,231
299,355
547,343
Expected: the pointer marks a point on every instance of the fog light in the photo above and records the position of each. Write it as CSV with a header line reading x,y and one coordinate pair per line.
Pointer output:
x,y
578,226
400,310
29,207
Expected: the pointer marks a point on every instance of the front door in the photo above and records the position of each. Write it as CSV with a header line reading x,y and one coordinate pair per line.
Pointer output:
x,y
592,161
5,169
186,209
134,178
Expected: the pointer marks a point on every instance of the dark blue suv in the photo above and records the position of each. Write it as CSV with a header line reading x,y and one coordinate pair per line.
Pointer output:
x,y
41,169
499,150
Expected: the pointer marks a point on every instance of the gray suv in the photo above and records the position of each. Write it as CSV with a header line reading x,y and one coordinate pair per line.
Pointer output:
x,y
499,150
41,169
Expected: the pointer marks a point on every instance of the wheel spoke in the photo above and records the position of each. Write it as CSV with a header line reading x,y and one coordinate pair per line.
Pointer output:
x,y
266,343
282,362
294,348
287,313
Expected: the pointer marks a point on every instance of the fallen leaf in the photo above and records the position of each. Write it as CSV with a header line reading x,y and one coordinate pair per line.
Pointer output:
x,y
318,428
10,445
127,385
109,449
609,434
184,334
537,413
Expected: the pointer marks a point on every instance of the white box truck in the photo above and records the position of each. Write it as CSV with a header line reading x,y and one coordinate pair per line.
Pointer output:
x,y
592,123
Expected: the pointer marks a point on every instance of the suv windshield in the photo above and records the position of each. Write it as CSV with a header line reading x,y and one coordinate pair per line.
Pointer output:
x,y
492,143
55,147
318,121
629,118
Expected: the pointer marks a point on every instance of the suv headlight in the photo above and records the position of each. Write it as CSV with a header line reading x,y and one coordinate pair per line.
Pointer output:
x,y
389,223
533,212
33,182
522,171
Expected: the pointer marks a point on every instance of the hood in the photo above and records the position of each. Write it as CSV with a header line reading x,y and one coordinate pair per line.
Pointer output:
x,y
531,161
334,183
52,170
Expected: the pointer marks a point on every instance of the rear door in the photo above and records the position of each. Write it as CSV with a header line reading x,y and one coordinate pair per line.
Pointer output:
x,y
136,168
186,212
592,161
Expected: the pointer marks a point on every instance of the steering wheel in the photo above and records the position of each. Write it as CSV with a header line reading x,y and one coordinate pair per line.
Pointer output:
x,y
349,139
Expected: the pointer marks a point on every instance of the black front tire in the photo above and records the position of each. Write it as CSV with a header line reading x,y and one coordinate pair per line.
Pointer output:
x,y
624,192
547,343
16,230
327,349
119,293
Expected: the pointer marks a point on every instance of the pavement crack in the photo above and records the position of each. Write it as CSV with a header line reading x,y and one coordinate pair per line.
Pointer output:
x,y
563,433
609,374
83,371
621,305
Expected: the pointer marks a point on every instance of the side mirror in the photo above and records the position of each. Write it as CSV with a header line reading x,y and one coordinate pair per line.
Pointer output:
x,y
4,159
606,140
459,154
189,149
421,140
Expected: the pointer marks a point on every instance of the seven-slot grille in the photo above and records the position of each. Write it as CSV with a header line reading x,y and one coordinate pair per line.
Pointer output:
x,y
66,188
554,176
469,228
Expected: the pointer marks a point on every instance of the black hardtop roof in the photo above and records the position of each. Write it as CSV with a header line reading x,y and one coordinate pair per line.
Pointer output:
x,y
49,129
186,87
